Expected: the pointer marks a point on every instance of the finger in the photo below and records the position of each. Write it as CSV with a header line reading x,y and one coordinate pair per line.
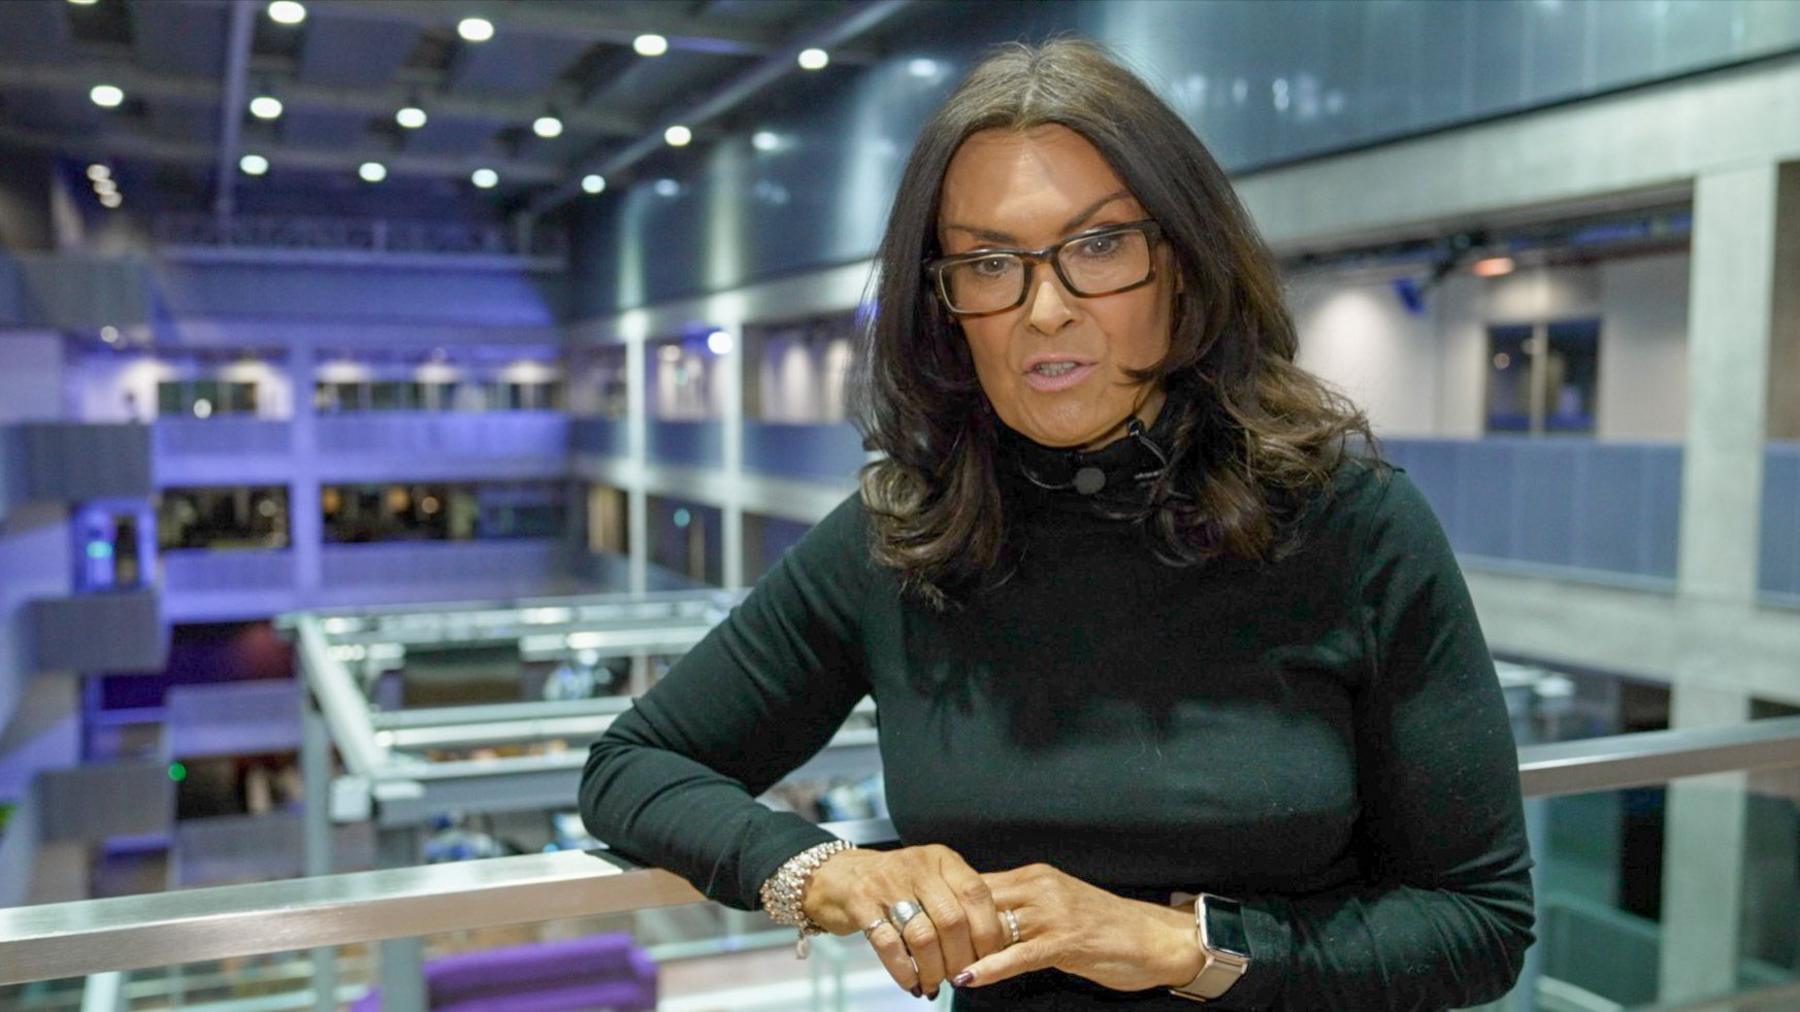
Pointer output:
x,y
921,938
985,931
1031,954
950,926
889,948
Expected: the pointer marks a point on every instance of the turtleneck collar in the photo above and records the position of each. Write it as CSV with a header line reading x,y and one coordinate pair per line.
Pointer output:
x,y
1126,465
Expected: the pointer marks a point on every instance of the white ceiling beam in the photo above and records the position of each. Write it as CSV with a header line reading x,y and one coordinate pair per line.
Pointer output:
x,y
588,22
379,101
281,156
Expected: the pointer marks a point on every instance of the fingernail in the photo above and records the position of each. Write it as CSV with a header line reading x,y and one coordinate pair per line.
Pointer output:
x,y
962,979
916,992
932,996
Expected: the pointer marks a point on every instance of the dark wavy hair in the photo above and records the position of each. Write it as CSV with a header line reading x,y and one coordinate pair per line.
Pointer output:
x,y
1257,436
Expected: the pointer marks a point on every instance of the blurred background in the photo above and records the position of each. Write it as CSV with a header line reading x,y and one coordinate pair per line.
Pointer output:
x,y
391,389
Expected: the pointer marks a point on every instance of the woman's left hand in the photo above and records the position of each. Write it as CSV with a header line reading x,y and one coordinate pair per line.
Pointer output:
x,y
1065,923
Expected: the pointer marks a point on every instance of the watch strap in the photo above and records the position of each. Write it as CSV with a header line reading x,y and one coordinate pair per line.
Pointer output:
x,y
1220,968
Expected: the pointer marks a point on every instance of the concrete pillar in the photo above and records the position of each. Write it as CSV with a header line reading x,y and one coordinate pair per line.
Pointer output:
x,y
637,434
1729,314
1703,860
306,520
731,435
1737,277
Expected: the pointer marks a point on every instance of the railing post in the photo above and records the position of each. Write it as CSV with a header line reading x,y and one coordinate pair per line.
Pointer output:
x,y
315,773
402,971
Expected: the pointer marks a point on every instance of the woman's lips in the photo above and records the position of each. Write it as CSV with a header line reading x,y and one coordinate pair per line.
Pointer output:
x,y
1063,381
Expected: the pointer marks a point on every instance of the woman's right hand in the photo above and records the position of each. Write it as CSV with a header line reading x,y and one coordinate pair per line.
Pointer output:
x,y
855,887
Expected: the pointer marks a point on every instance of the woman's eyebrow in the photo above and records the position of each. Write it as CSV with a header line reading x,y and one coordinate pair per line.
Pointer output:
x,y
991,235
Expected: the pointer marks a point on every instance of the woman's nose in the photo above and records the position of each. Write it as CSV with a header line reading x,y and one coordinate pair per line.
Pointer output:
x,y
1049,302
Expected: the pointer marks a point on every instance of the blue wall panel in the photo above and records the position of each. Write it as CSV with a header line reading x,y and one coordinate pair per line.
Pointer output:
x,y
1555,504
601,437
1780,570
685,444
817,452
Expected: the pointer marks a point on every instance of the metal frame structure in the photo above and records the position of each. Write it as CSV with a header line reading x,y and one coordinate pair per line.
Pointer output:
x,y
96,936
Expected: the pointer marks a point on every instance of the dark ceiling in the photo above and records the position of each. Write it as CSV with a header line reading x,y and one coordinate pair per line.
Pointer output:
x,y
343,72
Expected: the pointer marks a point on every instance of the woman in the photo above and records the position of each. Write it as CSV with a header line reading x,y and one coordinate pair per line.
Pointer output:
x,y
1140,618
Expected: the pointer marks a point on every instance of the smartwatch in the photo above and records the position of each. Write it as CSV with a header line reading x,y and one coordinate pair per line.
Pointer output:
x,y
1224,946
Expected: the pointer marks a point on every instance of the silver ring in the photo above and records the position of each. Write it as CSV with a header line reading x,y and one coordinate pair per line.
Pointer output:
x,y
868,932
1012,925
902,911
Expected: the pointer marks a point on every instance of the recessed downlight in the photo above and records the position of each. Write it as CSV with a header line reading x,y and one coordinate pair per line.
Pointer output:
x,y
593,183
372,172
411,117
253,165
547,127
485,179
475,29
265,107
287,12
650,44
678,136
814,59
106,96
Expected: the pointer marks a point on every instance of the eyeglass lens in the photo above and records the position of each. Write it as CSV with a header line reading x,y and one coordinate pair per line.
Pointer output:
x,y
1096,265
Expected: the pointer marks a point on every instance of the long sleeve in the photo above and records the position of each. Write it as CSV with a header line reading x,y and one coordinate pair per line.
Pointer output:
x,y
1442,914
673,781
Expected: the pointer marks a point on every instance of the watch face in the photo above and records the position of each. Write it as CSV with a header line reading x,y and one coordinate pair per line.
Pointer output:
x,y
1225,926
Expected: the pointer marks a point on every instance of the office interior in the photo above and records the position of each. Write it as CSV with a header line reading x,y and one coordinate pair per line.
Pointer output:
x,y
392,390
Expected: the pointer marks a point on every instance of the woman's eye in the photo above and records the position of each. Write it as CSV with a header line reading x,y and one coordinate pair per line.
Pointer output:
x,y
1100,246
992,266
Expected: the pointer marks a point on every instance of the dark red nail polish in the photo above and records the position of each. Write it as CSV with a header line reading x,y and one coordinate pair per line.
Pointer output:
x,y
932,996
916,992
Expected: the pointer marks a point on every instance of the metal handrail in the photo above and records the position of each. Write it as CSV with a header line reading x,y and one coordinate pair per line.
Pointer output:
x,y
159,929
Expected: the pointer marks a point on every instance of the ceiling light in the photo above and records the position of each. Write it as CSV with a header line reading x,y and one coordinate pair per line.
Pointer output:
x,y
814,59
253,165
1493,267
265,107
475,29
678,136
547,127
593,184
765,140
109,334
484,178
111,199
84,3
667,188
98,172
287,12
106,96
372,172
922,67
650,45
104,186
719,342
412,117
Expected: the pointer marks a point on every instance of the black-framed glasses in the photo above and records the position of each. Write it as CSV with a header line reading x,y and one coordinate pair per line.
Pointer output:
x,y
1101,261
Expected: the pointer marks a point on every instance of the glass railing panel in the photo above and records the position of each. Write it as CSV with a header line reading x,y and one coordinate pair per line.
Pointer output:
x,y
1666,897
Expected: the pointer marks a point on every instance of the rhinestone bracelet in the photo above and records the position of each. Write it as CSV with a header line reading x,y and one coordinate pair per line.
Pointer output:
x,y
783,891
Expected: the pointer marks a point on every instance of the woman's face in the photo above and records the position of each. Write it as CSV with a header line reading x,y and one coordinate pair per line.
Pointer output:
x,y
1028,189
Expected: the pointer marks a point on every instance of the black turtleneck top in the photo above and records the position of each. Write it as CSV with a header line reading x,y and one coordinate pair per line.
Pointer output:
x,y
1321,737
